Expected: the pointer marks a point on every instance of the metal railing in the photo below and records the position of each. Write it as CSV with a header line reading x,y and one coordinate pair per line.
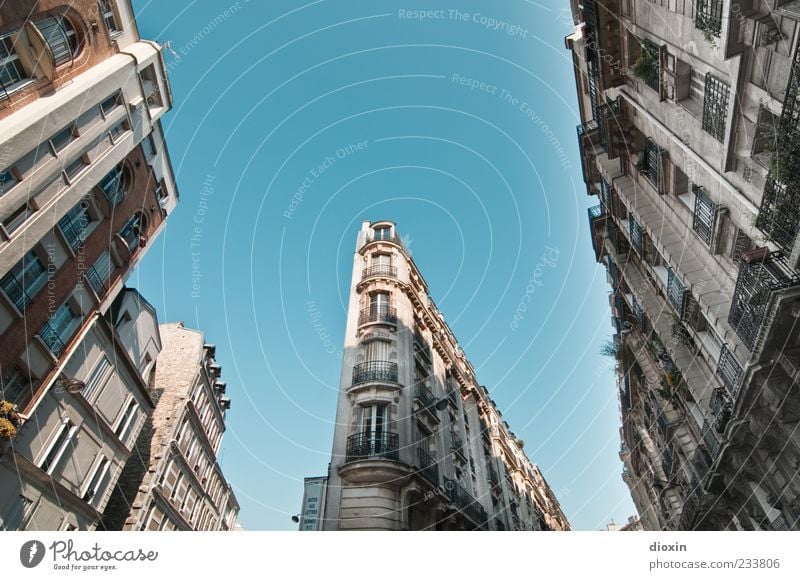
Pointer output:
x,y
426,397
373,445
386,314
708,17
54,33
52,339
705,213
15,290
722,407
427,466
754,286
468,505
676,292
421,346
380,371
730,371
457,445
97,283
379,270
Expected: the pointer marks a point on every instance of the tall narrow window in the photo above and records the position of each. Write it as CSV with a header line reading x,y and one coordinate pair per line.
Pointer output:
x,y
377,350
373,425
704,214
75,225
60,327
110,17
113,185
99,274
715,107
126,420
379,303
12,73
24,280
97,481
383,233
98,378
16,387
58,446
132,232
7,181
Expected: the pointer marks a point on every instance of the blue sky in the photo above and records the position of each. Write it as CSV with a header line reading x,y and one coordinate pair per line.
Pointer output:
x,y
295,121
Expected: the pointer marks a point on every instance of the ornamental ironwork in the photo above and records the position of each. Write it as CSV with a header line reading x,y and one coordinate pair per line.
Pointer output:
x,y
635,230
708,17
676,292
705,212
730,371
715,107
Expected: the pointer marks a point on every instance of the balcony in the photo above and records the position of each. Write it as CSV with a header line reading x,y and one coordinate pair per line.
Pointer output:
x,y
676,292
493,478
426,398
386,237
595,214
760,274
421,346
373,445
468,505
375,371
52,338
384,314
427,466
708,18
379,270
95,281
457,446
722,407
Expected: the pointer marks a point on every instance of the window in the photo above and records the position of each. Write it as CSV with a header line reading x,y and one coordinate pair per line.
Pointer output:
x,y
57,331
117,130
126,420
58,445
99,274
75,223
24,280
150,86
708,17
97,481
373,425
74,169
16,387
113,185
12,73
98,377
379,303
109,104
377,350
650,163
383,233
131,232
148,147
636,234
676,291
13,222
704,214
15,518
715,107
7,181
381,260
110,17
60,140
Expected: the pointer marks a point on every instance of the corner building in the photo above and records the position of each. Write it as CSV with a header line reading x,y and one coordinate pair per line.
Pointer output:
x,y
418,443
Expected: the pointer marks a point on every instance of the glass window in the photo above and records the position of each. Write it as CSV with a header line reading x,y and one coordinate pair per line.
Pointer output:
x,y
61,37
126,421
110,17
148,147
16,387
75,223
74,169
24,280
58,445
63,138
13,222
132,232
57,331
98,377
12,73
7,181
99,274
112,185
383,233
97,480
109,104
715,107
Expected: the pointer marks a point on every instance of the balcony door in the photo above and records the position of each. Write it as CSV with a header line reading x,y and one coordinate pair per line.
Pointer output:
x,y
377,350
379,304
373,426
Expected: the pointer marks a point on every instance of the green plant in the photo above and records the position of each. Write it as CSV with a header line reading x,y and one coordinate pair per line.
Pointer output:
x,y
610,348
779,164
646,66
664,389
7,429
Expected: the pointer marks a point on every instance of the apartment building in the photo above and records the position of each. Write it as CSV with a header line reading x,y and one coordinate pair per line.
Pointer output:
x,y
173,480
689,138
85,184
419,444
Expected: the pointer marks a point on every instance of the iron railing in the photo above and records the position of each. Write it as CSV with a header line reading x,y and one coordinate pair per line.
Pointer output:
x,y
708,17
722,407
691,507
711,442
635,230
705,212
52,339
54,33
373,445
468,505
95,280
651,163
457,445
676,292
386,314
754,286
376,370
427,466
611,232
730,371
779,216
16,291
426,397
379,270
74,230
421,345
715,107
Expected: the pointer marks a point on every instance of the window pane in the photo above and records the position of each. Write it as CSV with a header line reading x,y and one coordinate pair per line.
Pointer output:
x,y
24,280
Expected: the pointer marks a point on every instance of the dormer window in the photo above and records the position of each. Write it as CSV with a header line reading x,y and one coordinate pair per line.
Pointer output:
x,y
383,233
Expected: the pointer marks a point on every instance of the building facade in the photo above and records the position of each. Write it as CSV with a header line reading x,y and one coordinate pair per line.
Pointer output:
x,y
85,184
418,443
689,138
173,480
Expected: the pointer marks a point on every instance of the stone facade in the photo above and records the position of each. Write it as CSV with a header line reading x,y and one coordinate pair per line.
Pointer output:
x,y
689,137
418,443
174,482
86,183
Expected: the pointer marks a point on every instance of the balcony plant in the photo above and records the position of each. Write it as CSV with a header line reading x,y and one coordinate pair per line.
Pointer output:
x,y
646,66
9,420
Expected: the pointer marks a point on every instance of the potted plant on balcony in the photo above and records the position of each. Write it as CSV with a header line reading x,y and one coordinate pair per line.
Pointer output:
x,y
646,66
9,420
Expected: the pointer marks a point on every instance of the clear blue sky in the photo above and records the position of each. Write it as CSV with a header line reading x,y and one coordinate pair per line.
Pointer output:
x,y
484,179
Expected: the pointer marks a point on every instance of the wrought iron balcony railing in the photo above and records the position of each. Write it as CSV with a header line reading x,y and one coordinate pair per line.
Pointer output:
x,y
52,339
676,292
468,505
373,445
705,214
730,371
375,371
493,478
722,407
457,445
711,443
379,270
421,345
95,280
427,466
759,276
385,314
426,397
708,17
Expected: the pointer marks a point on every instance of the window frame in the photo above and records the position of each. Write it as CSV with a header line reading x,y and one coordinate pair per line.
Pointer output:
x,y
13,57
56,447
